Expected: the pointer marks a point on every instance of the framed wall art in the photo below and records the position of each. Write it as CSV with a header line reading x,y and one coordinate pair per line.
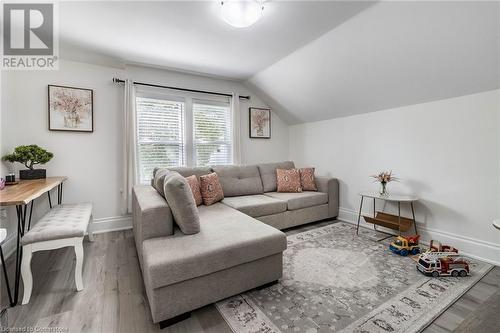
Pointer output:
x,y
260,123
71,109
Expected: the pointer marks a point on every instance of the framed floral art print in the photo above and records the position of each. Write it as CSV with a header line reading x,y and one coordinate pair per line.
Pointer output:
x,y
260,123
70,109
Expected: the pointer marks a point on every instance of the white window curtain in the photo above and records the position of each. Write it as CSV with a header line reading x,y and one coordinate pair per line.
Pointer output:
x,y
236,125
129,161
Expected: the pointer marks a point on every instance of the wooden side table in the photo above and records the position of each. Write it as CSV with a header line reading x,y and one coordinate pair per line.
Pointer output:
x,y
395,222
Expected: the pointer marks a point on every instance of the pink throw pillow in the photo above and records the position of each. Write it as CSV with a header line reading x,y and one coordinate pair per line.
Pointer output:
x,y
307,179
288,180
194,184
211,189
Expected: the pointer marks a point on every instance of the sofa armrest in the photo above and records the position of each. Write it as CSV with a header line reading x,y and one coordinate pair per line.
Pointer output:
x,y
330,186
152,216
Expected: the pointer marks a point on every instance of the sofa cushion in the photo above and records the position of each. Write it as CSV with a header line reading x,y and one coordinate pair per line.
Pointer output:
x,y
256,205
159,179
268,173
198,171
300,200
239,179
227,238
181,201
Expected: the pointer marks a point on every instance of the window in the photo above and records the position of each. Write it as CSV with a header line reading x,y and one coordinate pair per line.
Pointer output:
x,y
181,131
212,133
160,135
424,263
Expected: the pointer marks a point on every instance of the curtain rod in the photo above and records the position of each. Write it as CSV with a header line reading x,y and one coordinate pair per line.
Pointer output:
x,y
115,80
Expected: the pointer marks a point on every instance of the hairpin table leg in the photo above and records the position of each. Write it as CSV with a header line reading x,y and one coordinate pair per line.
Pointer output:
x,y
359,215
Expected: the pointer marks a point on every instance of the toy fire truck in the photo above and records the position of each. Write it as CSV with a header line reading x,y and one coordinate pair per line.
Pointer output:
x,y
442,264
436,246
405,245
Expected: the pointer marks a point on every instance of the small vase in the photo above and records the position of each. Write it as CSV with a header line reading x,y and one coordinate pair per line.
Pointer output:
x,y
383,190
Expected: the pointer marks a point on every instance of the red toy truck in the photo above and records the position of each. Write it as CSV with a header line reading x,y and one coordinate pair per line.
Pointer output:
x,y
442,264
436,246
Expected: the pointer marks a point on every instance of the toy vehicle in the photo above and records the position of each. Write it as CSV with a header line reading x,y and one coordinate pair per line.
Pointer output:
x,y
436,246
442,264
405,245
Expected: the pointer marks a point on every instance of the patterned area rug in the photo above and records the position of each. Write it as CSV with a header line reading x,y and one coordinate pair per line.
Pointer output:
x,y
336,281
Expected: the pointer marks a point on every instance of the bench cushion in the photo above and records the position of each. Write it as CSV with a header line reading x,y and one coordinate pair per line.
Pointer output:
x,y
256,205
63,221
300,200
227,238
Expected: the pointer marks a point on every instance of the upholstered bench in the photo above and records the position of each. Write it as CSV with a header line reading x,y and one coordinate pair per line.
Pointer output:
x,y
64,225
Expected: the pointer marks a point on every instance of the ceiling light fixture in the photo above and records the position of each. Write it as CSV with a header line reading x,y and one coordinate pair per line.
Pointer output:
x,y
240,13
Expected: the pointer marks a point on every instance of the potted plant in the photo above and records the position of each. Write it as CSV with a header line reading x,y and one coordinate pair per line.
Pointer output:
x,y
29,156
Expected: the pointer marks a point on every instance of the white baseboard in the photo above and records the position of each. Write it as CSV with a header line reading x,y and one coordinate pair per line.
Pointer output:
x,y
102,225
471,247
109,224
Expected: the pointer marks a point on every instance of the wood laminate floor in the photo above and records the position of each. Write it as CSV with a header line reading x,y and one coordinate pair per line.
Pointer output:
x,y
114,300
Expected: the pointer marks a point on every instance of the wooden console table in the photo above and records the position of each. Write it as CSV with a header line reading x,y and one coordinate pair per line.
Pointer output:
x,y
23,195
395,222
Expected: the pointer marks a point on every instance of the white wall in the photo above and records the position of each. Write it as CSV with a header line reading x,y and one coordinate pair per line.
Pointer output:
x,y
447,152
92,160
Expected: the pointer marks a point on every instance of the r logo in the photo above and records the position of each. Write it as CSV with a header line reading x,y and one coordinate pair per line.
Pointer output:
x,y
28,29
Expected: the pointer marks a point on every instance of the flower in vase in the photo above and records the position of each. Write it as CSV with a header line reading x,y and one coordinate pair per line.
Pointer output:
x,y
384,178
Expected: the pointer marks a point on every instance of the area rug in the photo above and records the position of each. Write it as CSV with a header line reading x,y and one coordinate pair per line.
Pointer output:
x,y
336,281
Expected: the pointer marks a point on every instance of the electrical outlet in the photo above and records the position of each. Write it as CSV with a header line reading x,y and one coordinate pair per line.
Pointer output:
x,y
3,213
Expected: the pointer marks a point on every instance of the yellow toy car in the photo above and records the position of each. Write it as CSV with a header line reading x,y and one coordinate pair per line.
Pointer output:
x,y
405,245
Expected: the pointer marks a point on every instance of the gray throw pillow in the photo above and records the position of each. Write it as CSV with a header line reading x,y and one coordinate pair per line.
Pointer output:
x,y
160,177
181,201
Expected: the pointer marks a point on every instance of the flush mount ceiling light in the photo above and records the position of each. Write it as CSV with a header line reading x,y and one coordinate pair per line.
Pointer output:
x,y
241,14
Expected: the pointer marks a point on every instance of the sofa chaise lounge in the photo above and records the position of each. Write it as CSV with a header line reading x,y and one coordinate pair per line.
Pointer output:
x,y
239,246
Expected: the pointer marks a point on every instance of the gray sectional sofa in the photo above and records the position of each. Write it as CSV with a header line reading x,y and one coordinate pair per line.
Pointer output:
x,y
239,246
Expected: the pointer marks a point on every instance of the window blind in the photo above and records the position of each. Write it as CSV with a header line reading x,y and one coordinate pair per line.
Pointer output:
x,y
211,133
160,135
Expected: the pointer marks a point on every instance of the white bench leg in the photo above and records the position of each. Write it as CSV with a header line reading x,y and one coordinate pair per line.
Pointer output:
x,y
89,229
79,263
26,273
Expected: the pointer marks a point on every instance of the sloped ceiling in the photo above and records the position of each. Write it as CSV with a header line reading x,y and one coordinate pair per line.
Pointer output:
x,y
389,55
191,36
